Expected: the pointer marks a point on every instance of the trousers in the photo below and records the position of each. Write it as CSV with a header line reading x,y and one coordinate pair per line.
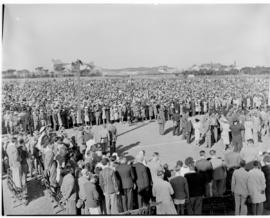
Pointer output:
x,y
240,206
127,199
111,204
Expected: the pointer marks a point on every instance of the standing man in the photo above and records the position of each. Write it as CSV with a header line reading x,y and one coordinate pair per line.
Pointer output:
x,y
219,174
127,178
196,184
109,186
112,139
176,123
143,180
239,187
180,188
161,121
256,188
204,166
163,192
104,138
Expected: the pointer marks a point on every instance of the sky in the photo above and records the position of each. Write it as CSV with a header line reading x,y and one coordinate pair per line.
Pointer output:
x,y
118,36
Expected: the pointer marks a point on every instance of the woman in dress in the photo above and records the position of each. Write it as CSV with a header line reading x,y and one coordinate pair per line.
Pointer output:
x,y
225,129
197,130
103,114
248,128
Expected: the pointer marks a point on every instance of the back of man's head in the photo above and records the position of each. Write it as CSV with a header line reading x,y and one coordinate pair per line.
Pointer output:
x,y
105,161
242,163
202,153
250,141
189,162
256,163
212,152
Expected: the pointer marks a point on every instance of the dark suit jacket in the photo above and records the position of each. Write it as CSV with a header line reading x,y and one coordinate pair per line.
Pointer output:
x,y
108,181
180,187
196,184
142,177
126,175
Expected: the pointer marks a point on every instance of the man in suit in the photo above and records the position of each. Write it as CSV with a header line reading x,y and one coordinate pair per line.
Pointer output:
x,y
91,196
143,179
196,184
109,186
219,174
113,136
204,166
232,161
180,188
239,187
127,177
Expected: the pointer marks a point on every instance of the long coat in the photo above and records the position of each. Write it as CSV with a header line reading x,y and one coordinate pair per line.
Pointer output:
x,y
256,186
163,190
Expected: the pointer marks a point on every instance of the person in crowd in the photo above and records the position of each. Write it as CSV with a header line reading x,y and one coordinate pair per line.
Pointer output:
x,y
104,138
219,174
180,189
239,188
14,162
249,153
197,131
83,179
162,191
143,182
113,136
154,165
161,121
266,171
91,196
176,123
256,188
127,178
237,135
23,156
68,190
196,184
110,187
232,161
225,130
205,167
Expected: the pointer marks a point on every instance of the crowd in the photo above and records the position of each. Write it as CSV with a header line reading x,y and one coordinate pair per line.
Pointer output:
x,y
93,179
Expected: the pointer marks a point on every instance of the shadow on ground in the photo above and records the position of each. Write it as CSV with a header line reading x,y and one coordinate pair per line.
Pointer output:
x,y
122,150
35,190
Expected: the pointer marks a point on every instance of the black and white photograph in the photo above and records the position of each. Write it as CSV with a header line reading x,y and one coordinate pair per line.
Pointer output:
x,y
135,109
